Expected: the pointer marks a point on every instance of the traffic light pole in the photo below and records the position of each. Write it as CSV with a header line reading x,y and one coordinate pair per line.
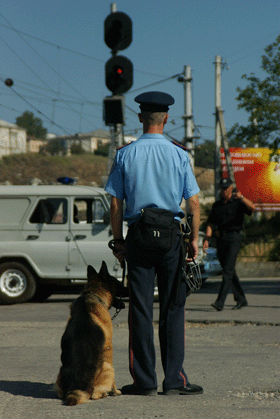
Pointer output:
x,y
116,142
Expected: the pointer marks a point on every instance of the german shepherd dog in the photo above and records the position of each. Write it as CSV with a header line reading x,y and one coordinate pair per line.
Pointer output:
x,y
87,354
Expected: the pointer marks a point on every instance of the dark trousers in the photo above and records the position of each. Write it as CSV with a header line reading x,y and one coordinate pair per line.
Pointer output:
x,y
143,266
227,250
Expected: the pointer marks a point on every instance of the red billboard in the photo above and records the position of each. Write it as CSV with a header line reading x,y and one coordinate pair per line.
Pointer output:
x,y
257,175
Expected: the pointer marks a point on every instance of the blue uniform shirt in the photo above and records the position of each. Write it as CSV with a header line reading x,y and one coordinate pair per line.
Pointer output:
x,y
151,172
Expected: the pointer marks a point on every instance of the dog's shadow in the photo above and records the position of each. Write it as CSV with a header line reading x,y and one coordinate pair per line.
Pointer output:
x,y
29,389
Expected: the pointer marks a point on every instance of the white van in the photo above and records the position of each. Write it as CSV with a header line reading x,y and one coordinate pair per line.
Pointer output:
x,y
48,236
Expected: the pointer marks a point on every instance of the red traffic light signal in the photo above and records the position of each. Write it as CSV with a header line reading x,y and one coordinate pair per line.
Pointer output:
x,y
119,74
118,31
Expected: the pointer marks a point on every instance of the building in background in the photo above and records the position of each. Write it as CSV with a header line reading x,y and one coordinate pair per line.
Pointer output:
x,y
13,139
89,142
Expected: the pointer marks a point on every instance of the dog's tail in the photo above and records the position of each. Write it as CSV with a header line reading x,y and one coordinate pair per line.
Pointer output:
x,y
77,397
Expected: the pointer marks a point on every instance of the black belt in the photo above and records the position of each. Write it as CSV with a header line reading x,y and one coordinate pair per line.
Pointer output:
x,y
175,223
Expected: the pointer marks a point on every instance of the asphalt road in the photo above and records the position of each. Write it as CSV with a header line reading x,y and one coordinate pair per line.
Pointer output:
x,y
233,354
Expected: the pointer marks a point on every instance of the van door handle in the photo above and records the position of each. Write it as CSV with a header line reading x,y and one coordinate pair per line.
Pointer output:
x,y
79,237
32,237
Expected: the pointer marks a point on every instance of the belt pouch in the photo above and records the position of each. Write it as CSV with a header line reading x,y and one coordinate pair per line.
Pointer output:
x,y
155,229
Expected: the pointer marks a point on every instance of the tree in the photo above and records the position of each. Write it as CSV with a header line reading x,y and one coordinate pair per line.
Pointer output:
x,y
261,99
34,126
204,154
54,147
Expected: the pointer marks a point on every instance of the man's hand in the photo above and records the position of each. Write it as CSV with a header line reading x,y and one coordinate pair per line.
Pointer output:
x,y
119,251
237,195
193,251
205,245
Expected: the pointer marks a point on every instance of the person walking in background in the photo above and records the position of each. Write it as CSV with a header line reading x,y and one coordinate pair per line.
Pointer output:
x,y
227,216
154,174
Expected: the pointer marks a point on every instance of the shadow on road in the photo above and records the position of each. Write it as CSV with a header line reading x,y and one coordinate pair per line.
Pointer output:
x,y
29,389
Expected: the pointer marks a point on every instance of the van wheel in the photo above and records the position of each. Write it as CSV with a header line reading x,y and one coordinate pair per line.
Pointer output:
x,y
17,284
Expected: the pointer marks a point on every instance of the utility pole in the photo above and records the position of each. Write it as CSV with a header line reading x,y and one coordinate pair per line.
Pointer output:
x,y
188,116
218,142
220,134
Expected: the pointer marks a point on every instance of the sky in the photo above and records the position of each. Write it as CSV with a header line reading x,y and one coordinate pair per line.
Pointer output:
x,y
54,51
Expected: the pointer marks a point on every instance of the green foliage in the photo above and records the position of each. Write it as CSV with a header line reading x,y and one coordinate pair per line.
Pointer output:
x,y
77,149
205,154
54,147
103,150
265,228
261,99
274,254
33,126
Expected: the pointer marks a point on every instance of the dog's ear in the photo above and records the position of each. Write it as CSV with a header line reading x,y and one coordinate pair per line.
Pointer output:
x,y
91,271
104,270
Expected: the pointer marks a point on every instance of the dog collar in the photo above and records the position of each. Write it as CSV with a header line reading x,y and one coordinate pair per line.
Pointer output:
x,y
100,300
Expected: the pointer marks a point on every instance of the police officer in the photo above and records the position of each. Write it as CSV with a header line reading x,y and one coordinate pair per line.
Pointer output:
x,y
227,215
152,172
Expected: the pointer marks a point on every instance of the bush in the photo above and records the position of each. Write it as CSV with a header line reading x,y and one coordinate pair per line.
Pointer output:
x,y
274,254
103,150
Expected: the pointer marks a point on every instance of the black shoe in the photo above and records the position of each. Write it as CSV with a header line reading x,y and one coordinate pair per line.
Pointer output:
x,y
131,390
217,306
240,305
188,390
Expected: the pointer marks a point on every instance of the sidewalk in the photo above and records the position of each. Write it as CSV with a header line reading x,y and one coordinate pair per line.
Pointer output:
x,y
263,295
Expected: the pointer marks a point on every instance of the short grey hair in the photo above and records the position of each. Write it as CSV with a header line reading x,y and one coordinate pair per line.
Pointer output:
x,y
153,118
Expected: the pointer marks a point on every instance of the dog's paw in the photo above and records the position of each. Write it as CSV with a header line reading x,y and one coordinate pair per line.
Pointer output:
x,y
99,394
115,392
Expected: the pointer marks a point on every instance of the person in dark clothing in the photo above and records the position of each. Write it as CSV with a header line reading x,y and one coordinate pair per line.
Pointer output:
x,y
227,216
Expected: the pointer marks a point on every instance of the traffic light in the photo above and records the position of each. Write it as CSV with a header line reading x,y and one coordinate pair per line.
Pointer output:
x,y
117,31
119,74
118,69
114,110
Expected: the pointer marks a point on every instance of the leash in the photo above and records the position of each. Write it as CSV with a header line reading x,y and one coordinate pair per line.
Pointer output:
x,y
120,303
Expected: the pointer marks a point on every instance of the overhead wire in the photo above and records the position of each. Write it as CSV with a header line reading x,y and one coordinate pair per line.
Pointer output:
x,y
246,48
34,50
155,83
33,107
46,84
70,50
40,78
20,33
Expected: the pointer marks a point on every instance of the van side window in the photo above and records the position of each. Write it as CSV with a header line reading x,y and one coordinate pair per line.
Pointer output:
x,y
50,211
88,211
98,211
